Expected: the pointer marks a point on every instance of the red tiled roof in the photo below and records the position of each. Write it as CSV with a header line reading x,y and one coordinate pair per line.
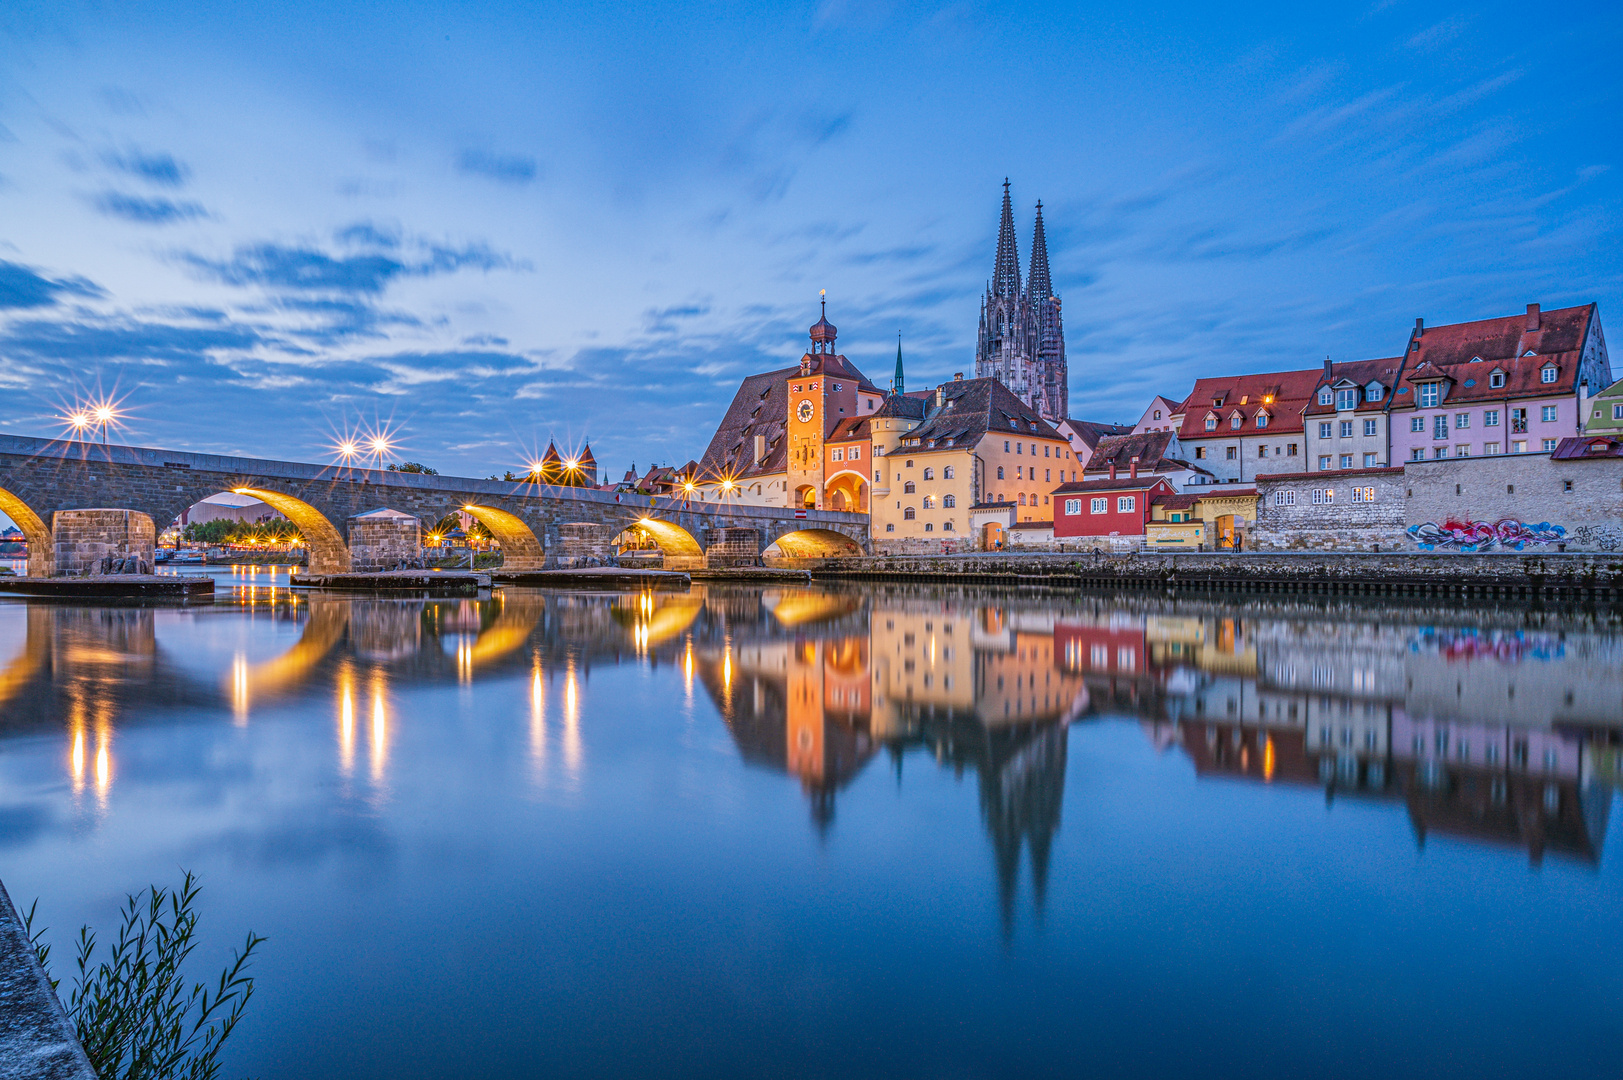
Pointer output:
x,y
1247,395
1121,483
1360,373
1473,381
1559,331
1580,448
1177,502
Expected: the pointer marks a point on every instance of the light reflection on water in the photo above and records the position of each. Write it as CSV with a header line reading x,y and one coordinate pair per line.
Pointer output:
x,y
917,833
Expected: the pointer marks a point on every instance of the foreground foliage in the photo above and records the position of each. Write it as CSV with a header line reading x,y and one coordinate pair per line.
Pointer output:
x,y
134,1012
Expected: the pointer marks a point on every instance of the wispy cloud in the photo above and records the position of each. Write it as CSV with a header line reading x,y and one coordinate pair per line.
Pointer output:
x,y
160,169
22,288
506,168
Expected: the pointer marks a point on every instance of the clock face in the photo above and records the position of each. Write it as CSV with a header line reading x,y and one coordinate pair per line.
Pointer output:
x,y
805,410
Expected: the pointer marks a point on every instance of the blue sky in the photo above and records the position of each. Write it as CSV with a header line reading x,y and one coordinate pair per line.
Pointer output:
x,y
490,225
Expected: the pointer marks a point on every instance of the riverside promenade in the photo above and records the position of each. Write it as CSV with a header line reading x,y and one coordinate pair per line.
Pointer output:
x,y
1551,576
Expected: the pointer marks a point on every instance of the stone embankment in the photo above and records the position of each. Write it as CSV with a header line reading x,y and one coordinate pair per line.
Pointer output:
x,y
1509,575
113,587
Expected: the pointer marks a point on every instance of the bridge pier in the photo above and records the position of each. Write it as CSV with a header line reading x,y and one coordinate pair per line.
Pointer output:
x,y
87,541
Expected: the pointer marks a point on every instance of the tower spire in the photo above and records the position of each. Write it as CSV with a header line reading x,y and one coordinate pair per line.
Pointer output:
x,y
896,383
1038,284
1006,274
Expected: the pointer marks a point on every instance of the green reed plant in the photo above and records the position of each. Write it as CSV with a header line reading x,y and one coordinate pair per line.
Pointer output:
x,y
134,1012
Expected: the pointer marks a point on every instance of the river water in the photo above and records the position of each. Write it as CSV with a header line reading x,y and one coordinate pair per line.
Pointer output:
x,y
892,832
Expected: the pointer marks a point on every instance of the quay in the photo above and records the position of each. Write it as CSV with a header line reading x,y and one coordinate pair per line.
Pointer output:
x,y
596,577
1576,577
414,582
112,587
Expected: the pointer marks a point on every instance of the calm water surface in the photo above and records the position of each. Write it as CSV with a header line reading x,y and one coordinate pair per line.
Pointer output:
x,y
805,833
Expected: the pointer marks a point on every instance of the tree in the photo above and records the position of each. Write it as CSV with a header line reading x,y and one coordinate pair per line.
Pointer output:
x,y
414,467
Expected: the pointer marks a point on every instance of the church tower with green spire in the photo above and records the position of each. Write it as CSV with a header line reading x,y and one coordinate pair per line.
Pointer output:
x,y
896,383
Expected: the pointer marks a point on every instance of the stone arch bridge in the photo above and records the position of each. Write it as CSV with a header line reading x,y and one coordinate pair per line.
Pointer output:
x,y
70,498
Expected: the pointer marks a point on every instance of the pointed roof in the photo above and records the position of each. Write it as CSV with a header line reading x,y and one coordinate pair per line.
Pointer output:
x,y
1006,274
585,457
551,456
1038,283
896,383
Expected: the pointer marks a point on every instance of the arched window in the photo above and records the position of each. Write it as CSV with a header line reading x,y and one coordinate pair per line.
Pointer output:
x,y
908,514
946,473
1022,498
929,474
929,502
946,526
1033,498
949,501
929,526
909,463
1000,472
908,488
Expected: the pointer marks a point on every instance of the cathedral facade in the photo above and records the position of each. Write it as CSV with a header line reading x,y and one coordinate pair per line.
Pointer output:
x,y
1021,341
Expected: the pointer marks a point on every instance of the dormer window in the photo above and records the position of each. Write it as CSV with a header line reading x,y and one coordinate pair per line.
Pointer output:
x,y
1476,359
1262,419
1529,352
1211,423
1374,392
1497,380
1430,394
1347,399
1235,421
1549,373
1326,395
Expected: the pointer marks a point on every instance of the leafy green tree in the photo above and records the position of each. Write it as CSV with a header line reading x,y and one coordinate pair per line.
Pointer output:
x,y
414,467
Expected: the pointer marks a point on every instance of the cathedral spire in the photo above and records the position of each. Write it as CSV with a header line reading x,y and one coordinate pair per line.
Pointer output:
x,y
1038,284
896,383
1006,274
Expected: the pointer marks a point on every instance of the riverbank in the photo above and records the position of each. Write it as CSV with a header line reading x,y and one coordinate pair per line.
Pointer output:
x,y
1595,577
112,587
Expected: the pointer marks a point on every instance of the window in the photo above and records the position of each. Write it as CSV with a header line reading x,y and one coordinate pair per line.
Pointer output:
x,y
929,526
1231,453
1430,395
856,452
1323,495
1324,430
1262,419
1019,472
908,488
1462,420
1045,450
1369,461
1496,380
837,454
1490,448
1158,414
1549,373
1346,461
1235,421
909,463
946,526
1022,498
1518,420
1547,414
1566,485
929,474
949,501
1371,427
1000,472
1073,506
1439,451
1439,426
1098,506
1346,429
1200,453
1125,504
1326,395
1617,412
1549,444
1019,448
929,502
1346,399
1290,449
1363,494
890,526
1284,498
1005,446
1490,418
1417,454
1374,392
1462,451
1518,446
908,514
1211,423
1324,461
1262,451
1417,423
946,472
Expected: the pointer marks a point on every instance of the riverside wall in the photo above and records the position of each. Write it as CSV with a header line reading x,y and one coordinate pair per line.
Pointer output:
x,y
1580,576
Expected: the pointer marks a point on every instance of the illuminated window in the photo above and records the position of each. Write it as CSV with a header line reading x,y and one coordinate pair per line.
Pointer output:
x,y
1322,496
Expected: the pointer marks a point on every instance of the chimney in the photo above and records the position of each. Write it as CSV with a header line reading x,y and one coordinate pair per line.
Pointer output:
x,y
1532,318
940,397
1112,468
1326,367
760,449
1132,467
958,376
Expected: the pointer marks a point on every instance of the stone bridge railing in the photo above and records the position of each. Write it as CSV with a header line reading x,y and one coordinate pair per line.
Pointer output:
x,y
80,503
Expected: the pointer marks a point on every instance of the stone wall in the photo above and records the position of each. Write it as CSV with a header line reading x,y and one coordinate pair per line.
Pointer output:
x,y
583,543
383,541
1289,520
731,546
1527,488
102,542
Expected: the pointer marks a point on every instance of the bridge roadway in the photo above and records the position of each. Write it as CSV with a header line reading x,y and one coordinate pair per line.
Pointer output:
x,y
40,479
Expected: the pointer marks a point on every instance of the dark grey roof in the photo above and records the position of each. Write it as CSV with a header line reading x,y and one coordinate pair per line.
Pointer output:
x,y
971,408
760,407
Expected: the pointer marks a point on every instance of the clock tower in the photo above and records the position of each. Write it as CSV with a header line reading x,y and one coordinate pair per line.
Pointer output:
x,y
810,392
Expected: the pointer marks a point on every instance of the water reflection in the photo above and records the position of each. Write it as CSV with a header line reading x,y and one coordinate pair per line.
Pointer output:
x,y
1490,726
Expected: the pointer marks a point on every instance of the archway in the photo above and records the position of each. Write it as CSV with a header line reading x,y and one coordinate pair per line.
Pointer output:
x,y
521,550
41,554
672,539
814,544
847,491
806,495
328,552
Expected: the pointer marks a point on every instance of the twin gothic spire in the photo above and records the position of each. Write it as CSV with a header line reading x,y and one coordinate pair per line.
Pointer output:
x,y
1021,342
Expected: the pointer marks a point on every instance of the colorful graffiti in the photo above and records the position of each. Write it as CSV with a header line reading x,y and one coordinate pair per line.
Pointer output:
x,y
1484,535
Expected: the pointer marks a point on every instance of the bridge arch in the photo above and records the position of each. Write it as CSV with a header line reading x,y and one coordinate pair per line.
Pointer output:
x,y
520,548
329,554
671,538
41,553
813,544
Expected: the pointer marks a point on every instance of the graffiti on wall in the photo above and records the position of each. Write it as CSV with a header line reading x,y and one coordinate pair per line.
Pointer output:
x,y
1484,535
